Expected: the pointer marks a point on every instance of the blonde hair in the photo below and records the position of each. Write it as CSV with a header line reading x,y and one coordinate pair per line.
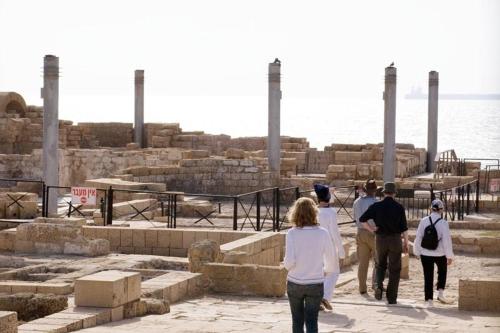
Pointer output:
x,y
303,213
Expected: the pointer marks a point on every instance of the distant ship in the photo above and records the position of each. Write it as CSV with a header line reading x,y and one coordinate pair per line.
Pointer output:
x,y
416,93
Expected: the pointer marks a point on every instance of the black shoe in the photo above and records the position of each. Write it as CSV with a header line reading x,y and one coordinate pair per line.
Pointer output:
x,y
392,302
378,294
363,292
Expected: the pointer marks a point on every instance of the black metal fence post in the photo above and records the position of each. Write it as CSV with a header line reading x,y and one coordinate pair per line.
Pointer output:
x,y
278,204
174,211
44,201
259,194
477,195
109,216
235,213
468,199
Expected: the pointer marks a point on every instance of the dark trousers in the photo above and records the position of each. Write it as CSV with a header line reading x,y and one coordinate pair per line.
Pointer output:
x,y
304,303
428,266
388,250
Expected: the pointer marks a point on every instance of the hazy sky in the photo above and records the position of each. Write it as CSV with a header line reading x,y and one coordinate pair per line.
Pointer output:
x,y
329,49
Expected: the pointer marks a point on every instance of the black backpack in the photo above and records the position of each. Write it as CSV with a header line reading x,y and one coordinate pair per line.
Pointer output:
x,y
430,241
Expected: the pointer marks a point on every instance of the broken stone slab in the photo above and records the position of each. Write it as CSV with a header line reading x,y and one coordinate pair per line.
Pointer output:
x,y
202,252
30,306
91,248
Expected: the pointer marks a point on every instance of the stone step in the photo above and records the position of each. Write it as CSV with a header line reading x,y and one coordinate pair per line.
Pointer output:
x,y
174,286
473,241
13,287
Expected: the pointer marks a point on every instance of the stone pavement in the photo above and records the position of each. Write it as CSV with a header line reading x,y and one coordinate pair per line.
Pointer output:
x,y
352,312
216,313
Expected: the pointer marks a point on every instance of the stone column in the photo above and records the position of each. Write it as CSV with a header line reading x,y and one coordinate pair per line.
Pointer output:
x,y
50,158
139,108
274,102
390,124
432,120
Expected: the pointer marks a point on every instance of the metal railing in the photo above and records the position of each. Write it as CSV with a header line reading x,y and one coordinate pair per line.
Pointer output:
x,y
73,209
447,163
262,210
40,183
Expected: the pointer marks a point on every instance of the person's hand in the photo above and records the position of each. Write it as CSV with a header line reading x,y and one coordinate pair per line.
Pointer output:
x,y
449,261
341,262
405,248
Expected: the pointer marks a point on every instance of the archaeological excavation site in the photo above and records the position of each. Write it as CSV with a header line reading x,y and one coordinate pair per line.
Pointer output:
x,y
110,227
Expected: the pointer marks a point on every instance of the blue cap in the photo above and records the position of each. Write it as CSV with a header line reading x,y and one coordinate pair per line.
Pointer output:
x,y
322,192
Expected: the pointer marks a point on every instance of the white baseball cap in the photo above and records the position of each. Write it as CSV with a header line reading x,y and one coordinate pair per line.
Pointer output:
x,y
437,204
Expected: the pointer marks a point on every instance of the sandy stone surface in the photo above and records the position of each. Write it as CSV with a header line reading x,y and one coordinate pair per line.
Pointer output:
x,y
352,312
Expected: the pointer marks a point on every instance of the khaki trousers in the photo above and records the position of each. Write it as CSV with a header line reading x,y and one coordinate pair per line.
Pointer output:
x,y
365,241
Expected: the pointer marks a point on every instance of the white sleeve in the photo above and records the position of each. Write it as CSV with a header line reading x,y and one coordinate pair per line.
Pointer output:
x,y
418,238
330,256
289,260
446,239
335,233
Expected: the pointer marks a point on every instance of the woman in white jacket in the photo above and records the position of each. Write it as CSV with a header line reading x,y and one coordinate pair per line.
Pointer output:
x,y
442,255
328,220
309,256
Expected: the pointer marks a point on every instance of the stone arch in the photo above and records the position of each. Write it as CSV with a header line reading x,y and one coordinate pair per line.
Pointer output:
x,y
12,103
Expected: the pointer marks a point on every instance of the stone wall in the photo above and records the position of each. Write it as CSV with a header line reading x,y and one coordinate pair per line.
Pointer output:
x,y
258,249
479,294
214,175
57,236
246,279
109,134
165,242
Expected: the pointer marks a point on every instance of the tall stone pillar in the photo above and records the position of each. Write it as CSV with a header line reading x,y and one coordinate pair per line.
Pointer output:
x,y
139,108
50,158
274,102
390,124
432,120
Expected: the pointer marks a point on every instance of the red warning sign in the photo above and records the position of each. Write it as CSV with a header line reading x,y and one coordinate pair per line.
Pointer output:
x,y
83,196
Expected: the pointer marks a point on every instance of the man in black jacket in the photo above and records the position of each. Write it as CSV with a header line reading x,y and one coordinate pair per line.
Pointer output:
x,y
390,241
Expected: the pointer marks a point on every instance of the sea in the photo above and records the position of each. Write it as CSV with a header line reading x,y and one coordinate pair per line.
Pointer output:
x,y
470,127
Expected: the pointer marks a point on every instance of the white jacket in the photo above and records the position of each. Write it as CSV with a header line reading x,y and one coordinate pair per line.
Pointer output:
x,y
445,246
328,219
309,254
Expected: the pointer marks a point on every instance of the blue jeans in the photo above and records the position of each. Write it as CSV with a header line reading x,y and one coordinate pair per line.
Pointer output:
x,y
304,303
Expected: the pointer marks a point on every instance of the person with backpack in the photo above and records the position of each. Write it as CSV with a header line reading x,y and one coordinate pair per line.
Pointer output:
x,y
433,245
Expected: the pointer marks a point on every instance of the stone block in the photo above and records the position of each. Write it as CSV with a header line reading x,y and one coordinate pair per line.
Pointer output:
x,y
92,248
188,238
109,289
22,246
126,237
164,238
235,153
28,209
479,294
138,238
117,313
8,322
176,239
7,240
151,238
174,252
